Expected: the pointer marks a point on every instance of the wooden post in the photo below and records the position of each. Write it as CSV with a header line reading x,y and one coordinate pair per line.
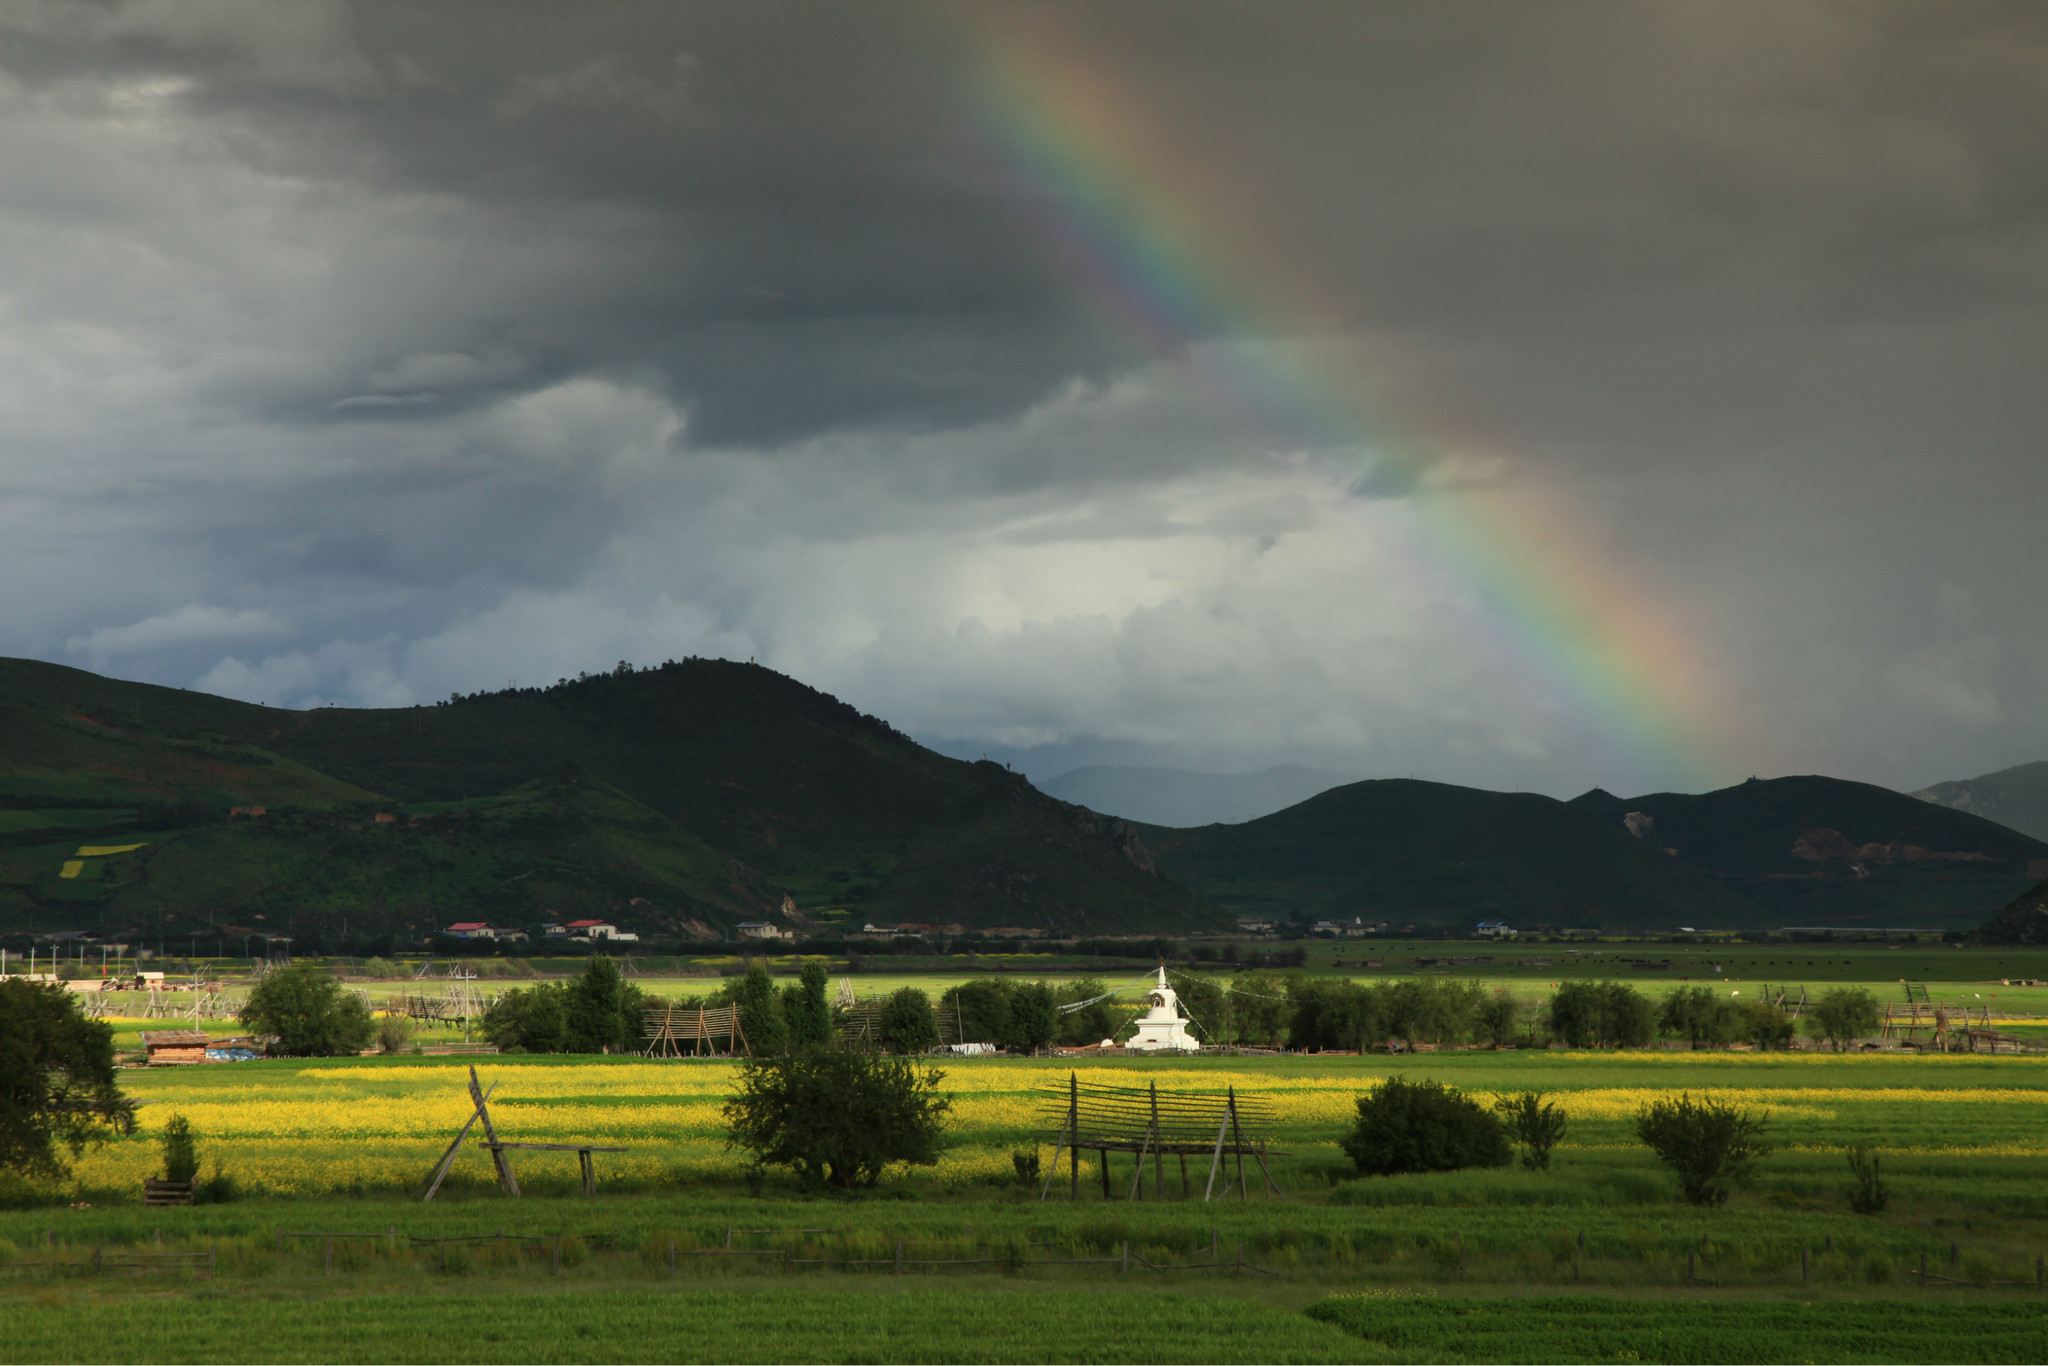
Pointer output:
x,y
1127,1242
498,1158
1461,1256
330,1256
1074,1134
899,1256
1923,1271
1184,1192
1237,1139
1805,1267
1158,1157
1105,1173
556,1255
1690,1270
1216,1157
448,1158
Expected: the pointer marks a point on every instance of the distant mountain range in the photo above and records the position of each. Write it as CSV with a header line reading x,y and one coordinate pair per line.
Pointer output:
x,y
678,799
2016,796
1764,854
1181,797
683,799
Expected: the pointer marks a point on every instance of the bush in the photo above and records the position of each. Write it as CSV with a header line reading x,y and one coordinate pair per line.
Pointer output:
x,y
1699,1015
1866,1192
380,968
217,1189
1709,1146
1841,1015
312,1014
1027,1165
835,1116
1765,1025
181,1150
394,1032
1536,1124
806,1008
760,1015
1423,1127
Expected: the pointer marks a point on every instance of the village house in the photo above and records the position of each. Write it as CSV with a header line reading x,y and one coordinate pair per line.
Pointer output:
x,y
590,929
481,929
764,929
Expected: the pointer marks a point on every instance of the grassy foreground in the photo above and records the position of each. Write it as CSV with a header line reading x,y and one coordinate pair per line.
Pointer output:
x,y
1585,1329
746,1324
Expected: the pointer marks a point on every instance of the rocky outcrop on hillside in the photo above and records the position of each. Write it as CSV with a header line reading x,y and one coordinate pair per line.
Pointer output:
x,y
2023,922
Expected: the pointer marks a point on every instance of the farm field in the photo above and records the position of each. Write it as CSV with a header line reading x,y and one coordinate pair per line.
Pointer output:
x,y
332,1148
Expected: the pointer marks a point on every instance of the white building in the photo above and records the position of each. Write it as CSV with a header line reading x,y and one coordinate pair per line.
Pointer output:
x,y
763,929
1162,1028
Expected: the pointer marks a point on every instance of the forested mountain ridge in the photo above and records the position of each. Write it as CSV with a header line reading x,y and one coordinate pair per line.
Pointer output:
x,y
688,795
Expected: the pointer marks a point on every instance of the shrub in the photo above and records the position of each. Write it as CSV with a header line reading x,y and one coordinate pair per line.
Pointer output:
x,y
835,1116
531,1019
1708,1145
312,1014
394,1032
181,1149
1698,1015
1423,1127
1027,1166
1533,1122
217,1189
1867,1194
379,968
595,1007
1765,1025
1841,1015
805,1008
1494,1021
760,1015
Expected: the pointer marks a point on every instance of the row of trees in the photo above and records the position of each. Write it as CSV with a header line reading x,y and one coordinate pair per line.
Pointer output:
x,y
599,1012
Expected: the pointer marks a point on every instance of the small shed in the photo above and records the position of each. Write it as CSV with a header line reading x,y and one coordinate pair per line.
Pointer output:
x,y
173,1047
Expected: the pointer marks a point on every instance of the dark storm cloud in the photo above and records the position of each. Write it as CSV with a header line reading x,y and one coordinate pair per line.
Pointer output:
x,y
362,351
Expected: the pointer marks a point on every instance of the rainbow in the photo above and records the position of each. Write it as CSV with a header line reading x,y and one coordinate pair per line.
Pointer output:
x,y
1170,256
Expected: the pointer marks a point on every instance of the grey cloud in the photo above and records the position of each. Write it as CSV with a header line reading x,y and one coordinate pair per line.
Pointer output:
x,y
369,351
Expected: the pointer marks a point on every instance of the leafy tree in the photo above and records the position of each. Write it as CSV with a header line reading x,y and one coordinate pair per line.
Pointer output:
x,y
837,1116
1091,1023
181,1149
1494,1019
806,1010
1535,1123
1034,1017
1259,1009
1709,1146
981,1010
1763,1024
311,1013
1201,1000
1601,1015
1698,1015
533,1019
596,1008
1423,1127
1841,1015
56,1079
907,1023
760,1014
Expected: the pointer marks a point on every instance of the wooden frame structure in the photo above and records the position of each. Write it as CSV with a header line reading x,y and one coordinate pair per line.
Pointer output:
x,y
673,1026
1127,1119
479,1096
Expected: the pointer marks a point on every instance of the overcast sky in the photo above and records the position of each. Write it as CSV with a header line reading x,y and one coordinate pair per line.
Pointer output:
x,y
1521,395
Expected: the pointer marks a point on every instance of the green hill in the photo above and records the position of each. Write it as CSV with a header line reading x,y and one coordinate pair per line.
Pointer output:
x,y
1402,849
1819,851
701,791
1792,851
2024,921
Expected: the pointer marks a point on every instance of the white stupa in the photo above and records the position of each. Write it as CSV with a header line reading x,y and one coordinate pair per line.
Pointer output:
x,y
1162,1028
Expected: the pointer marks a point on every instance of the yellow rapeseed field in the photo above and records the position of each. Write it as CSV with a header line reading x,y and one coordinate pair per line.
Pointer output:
x,y
363,1127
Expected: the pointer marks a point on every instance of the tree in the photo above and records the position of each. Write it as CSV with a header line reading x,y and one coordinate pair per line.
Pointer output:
x,y
1763,1024
1423,1127
980,1010
1258,1009
760,1015
56,1080
1494,1020
1698,1015
596,1008
837,1116
532,1019
1709,1146
1601,1015
1533,1122
1868,1194
1091,1023
181,1149
310,1012
1034,1018
1841,1015
907,1022
806,1010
